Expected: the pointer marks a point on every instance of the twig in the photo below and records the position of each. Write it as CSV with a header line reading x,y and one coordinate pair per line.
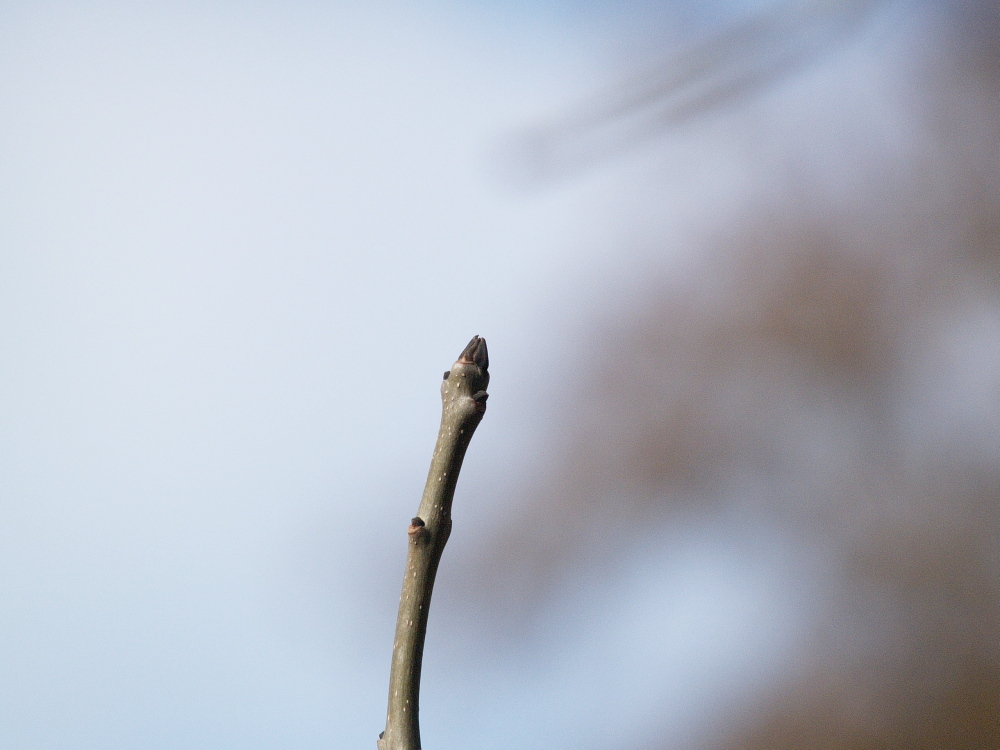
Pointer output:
x,y
463,396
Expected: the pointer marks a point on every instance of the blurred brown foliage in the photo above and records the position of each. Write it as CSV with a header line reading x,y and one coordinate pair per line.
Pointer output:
x,y
796,361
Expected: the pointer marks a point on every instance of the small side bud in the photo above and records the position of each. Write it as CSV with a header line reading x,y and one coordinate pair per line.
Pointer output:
x,y
447,373
480,397
418,532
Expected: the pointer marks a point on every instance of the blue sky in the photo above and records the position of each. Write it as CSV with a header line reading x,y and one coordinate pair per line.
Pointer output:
x,y
239,246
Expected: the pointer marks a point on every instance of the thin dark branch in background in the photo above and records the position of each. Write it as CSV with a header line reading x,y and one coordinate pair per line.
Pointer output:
x,y
738,60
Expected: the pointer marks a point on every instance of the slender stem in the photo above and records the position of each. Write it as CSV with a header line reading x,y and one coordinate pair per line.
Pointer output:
x,y
463,397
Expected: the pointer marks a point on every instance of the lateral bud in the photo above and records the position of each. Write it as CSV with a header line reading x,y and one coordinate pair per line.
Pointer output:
x,y
417,531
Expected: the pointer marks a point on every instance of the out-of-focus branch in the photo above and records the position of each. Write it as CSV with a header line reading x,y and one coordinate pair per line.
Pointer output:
x,y
739,59
463,396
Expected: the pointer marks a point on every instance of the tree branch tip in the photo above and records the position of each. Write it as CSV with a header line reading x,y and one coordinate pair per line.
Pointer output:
x,y
463,405
476,353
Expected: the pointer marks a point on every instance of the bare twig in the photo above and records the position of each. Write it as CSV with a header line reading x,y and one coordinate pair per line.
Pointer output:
x,y
463,396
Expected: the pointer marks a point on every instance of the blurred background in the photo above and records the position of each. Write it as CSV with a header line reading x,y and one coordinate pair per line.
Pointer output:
x,y
738,264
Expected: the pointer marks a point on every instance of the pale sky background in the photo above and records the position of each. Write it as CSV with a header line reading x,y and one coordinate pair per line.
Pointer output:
x,y
239,245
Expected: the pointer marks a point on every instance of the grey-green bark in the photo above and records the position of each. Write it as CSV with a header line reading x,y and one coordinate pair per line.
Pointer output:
x,y
463,397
